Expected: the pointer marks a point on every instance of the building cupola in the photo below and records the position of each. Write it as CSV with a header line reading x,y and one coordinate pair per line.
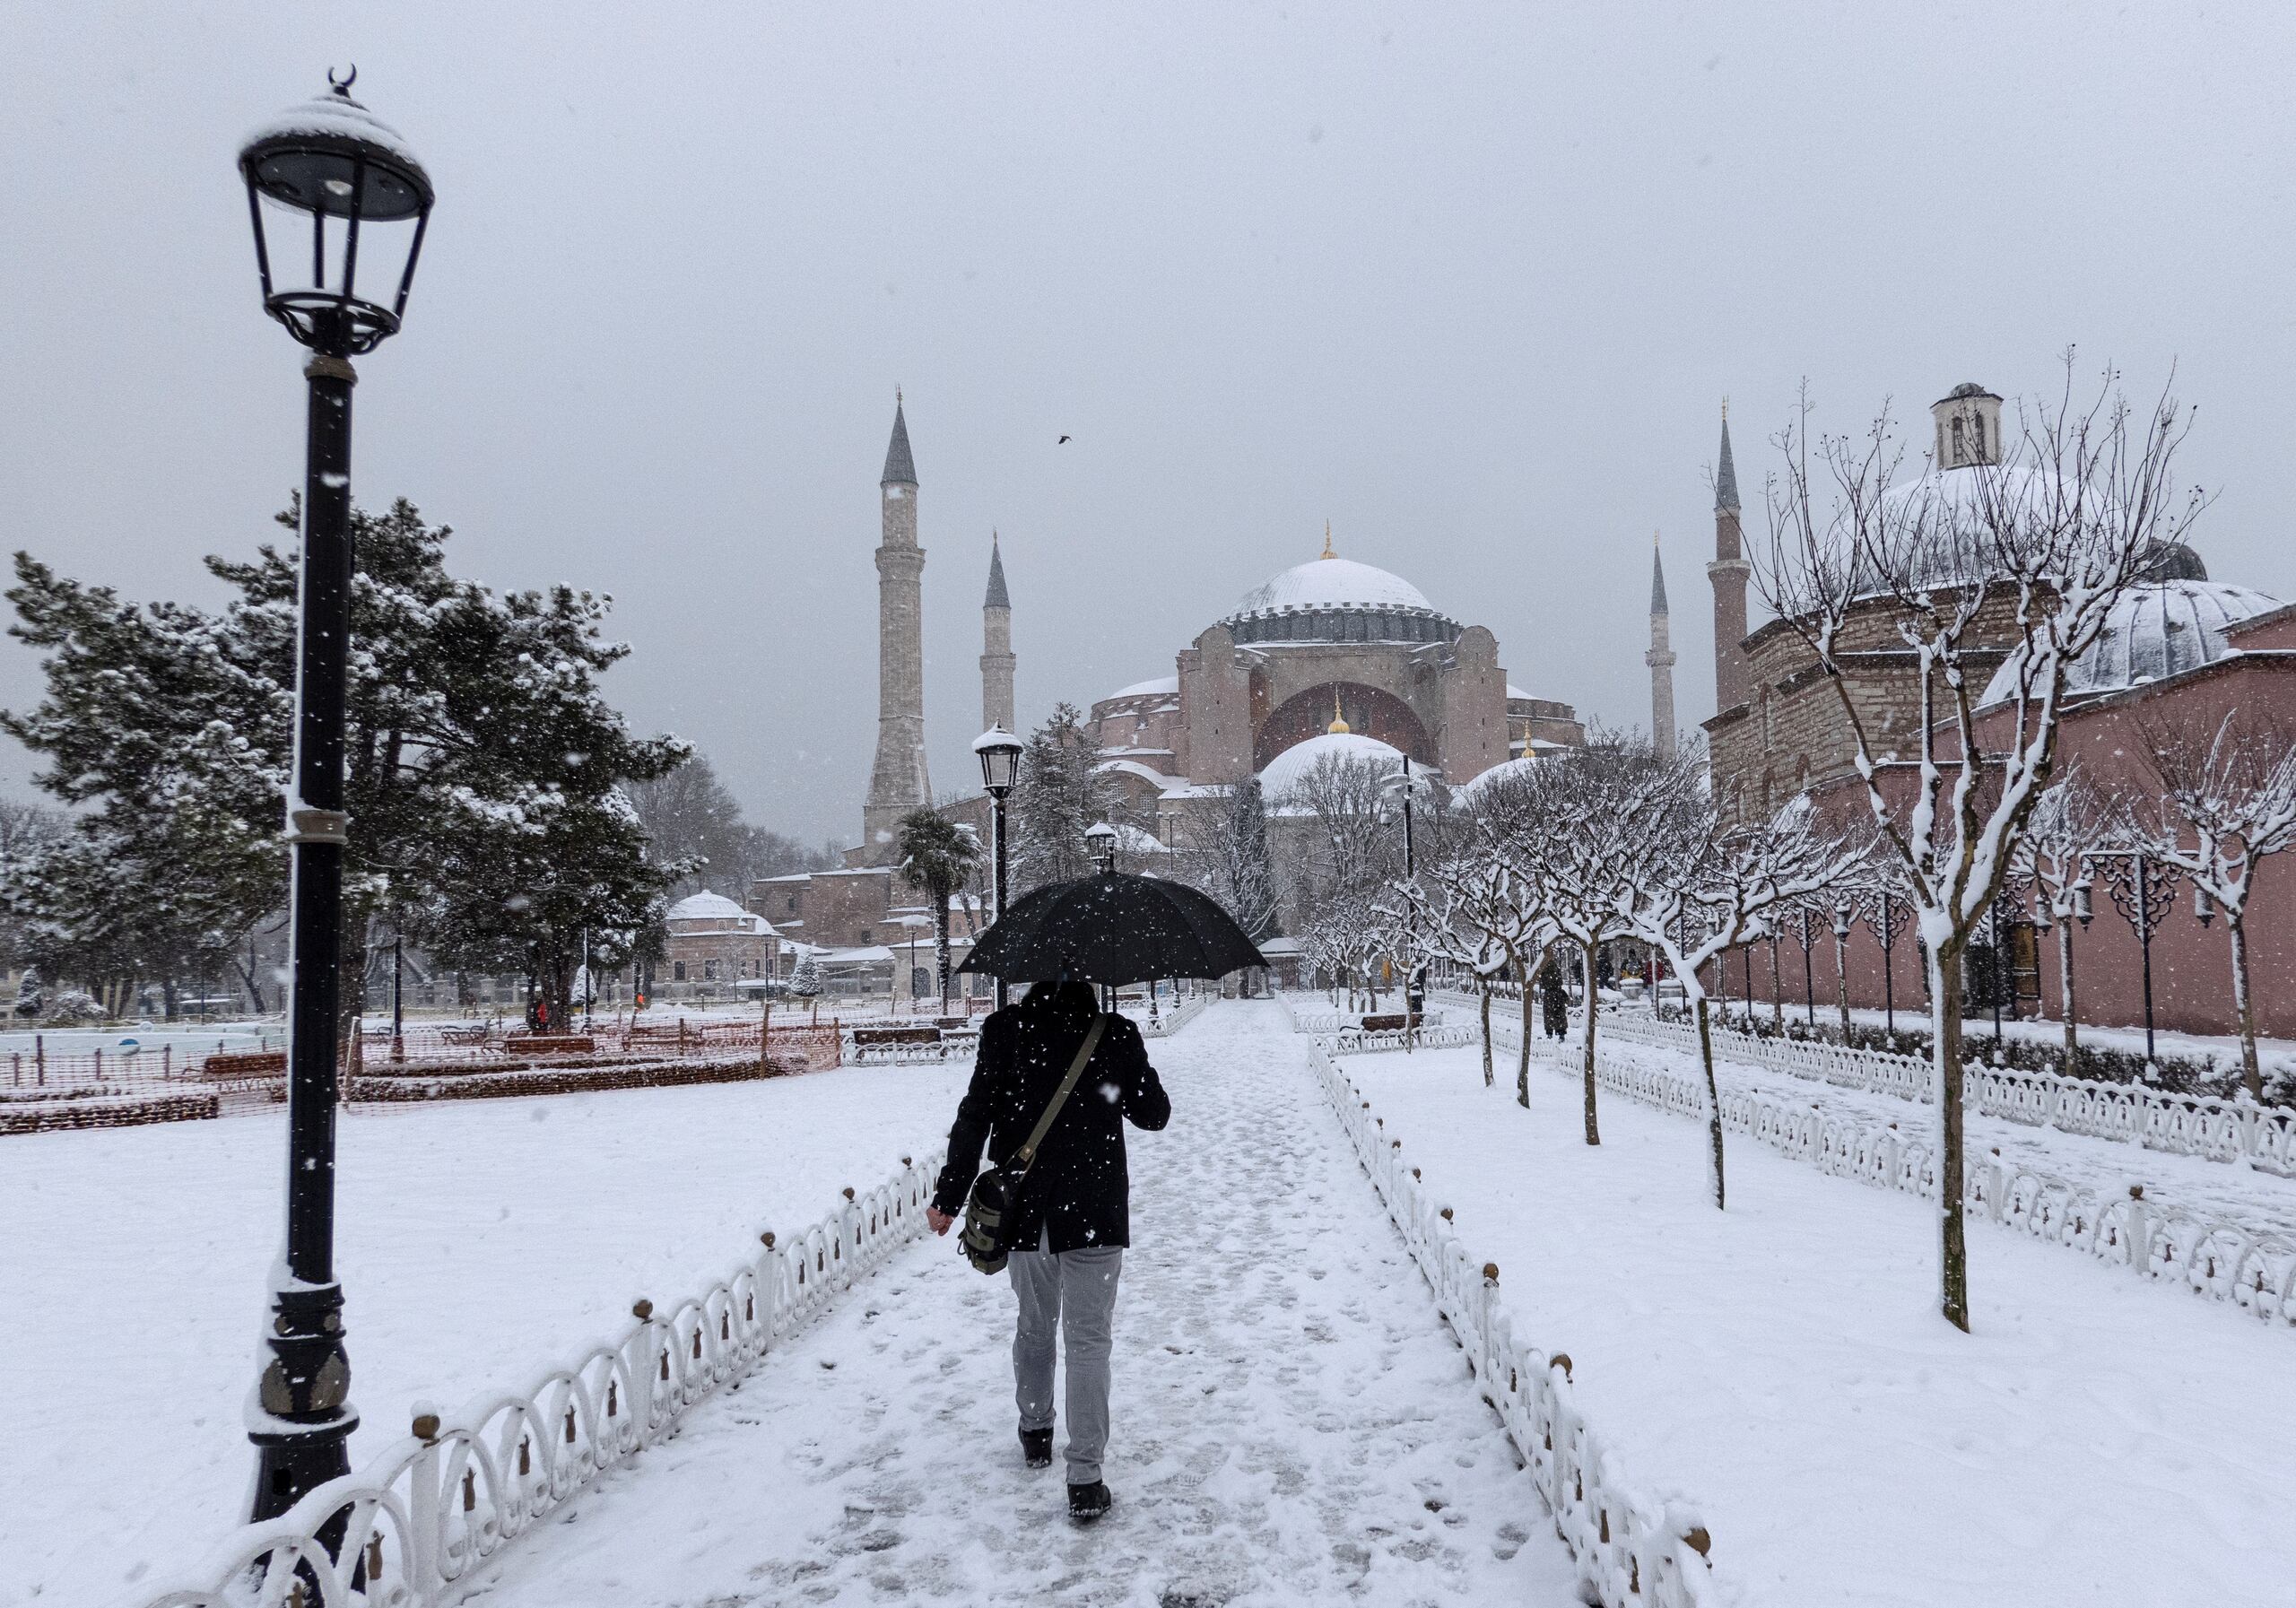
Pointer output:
x,y
1968,427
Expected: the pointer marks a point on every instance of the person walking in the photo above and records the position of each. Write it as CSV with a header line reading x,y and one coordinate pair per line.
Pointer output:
x,y
1067,1228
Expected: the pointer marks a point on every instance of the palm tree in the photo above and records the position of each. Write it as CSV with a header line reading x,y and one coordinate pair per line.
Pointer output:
x,y
937,857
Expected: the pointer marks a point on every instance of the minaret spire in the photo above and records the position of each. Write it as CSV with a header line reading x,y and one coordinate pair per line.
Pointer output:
x,y
1661,659
1328,552
996,658
897,782
1728,574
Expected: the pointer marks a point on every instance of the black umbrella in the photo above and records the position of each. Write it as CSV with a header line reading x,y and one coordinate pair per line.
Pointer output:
x,y
1112,929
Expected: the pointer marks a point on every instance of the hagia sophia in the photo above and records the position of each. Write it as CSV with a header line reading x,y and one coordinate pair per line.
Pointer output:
x,y
1334,656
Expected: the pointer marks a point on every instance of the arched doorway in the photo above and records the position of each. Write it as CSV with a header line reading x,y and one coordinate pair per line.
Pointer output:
x,y
1368,711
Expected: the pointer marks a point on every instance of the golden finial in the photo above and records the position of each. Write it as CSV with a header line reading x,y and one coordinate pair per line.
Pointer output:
x,y
1338,726
896,399
1725,410
1328,553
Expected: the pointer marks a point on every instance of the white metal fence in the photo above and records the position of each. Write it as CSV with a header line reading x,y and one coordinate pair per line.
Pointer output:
x,y
1172,1018
2222,1260
1635,1549
410,1529
2183,1124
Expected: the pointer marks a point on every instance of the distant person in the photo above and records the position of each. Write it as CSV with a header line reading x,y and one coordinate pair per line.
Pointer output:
x,y
1073,1212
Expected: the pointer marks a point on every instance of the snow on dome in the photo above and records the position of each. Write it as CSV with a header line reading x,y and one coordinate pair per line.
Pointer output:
x,y
1332,583
706,907
1147,688
1287,769
2154,631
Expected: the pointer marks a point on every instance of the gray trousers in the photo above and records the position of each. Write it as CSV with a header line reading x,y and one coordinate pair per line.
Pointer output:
x,y
1077,1289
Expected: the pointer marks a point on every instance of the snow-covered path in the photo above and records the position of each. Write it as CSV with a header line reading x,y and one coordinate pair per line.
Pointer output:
x,y
1292,1421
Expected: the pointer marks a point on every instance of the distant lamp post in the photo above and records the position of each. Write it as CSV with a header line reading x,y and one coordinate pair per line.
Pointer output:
x,y
1842,917
1100,839
334,193
1000,767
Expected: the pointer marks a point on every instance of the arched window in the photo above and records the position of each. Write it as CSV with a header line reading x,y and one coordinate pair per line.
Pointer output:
x,y
1977,424
1960,451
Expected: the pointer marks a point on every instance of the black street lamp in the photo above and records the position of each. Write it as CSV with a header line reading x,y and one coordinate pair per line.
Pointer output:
x,y
1100,842
330,169
1000,767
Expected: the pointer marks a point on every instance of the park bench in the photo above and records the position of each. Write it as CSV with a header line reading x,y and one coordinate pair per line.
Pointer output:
x,y
231,1065
550,1044
865,1036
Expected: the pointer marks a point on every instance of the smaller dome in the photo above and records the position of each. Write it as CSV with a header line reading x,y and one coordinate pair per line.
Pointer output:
x,y
1287,769
1147,688
706,907
2154,631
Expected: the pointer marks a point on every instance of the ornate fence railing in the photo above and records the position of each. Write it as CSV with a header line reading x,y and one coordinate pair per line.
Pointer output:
x,y
2225,1261
2183,1124
1172,1018
411,1527
1355,1041
1634,1549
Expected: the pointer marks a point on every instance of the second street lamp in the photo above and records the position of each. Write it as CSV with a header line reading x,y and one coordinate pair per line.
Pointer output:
x,y
1000,769
330,170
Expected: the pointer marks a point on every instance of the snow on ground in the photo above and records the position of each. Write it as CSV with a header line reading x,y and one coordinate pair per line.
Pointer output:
x,y
2097,1439
479,1241
1292,1423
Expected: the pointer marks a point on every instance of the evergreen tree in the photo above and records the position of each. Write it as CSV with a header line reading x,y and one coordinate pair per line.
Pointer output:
x,y
1228,858
28,993
805,982
483,764
1058,795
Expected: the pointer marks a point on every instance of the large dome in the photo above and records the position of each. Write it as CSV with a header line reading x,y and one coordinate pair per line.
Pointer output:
x,y
2154,631
1331,583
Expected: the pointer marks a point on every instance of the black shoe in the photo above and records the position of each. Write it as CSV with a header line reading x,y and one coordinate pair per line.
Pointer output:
x,y
1088,1502
1035,1447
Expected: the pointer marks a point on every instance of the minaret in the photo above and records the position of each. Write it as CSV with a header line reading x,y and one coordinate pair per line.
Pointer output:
x,y
1661,660
1729,573
898,783
997,659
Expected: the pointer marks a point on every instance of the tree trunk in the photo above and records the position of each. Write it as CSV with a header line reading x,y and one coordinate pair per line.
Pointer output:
x,y
1484,990
1777,992
2064,970
1523,1051
2244,1004
1713,1106
1586,1066
1945,1031
941,946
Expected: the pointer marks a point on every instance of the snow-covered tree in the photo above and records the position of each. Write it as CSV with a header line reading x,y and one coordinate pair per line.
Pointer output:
x,y
1226,853
2070,821
2226,800
806,981
2036,548
1058,795
482,765
1709,891
1577,828
28,993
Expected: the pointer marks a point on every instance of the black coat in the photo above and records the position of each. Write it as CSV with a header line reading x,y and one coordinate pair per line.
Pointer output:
x,y
1078,1185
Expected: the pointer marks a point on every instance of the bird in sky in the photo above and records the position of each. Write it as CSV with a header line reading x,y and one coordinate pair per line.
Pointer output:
x,y
1062,442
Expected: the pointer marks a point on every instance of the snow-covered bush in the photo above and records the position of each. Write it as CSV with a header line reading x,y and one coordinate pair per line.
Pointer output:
x,y
73,1005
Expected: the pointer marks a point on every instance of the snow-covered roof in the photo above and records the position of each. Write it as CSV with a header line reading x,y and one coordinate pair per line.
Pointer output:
x,y
1159,780
1513,692
1150,688
706,908
1468,792
2154,631
1332,583
1287,769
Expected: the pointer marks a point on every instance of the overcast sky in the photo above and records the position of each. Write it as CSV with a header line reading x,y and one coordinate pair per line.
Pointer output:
x,y
1470,282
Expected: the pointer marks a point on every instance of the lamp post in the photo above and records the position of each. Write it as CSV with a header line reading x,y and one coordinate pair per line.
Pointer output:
x,y
1841,919
1100,842
331,170
1000,767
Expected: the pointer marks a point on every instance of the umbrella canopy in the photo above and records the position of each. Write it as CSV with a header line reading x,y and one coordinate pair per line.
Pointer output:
x,y
1112,928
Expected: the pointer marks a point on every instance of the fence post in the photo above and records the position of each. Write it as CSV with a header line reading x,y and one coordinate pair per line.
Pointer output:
x,y
422,1509
40,1059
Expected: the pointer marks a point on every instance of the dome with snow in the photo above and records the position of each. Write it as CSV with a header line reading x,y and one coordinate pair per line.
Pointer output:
x,y
1155,686
2154,631
1287,769
1337,600
718,911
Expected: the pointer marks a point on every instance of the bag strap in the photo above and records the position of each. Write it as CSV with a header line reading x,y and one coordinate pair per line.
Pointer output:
x,y
1025,1157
